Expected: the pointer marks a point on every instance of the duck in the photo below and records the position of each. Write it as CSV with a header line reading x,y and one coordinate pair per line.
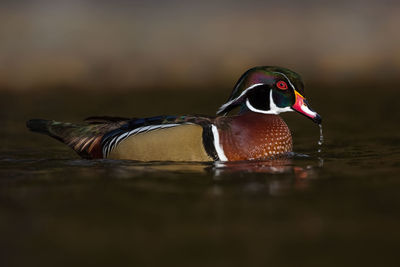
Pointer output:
x,y
254,132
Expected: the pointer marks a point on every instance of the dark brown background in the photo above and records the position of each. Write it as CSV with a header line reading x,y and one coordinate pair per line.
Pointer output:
x,y
193,44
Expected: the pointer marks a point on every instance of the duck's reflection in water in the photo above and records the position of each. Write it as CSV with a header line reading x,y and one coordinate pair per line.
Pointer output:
x,y
275,176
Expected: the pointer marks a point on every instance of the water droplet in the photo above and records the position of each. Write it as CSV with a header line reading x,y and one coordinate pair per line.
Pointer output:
x,y
321,136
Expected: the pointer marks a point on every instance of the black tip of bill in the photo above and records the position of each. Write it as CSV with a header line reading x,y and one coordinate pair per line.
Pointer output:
x,y
317,119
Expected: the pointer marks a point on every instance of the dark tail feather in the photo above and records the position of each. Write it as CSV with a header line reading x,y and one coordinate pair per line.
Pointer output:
x,y
58,130
38,125
84,139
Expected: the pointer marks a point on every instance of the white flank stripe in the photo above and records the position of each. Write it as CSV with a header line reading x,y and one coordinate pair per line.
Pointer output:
x,y
110,145
133,132
217,145
143,129
119,139
154,127
170,125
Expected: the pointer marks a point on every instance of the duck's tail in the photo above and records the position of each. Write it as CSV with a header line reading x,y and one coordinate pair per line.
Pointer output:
x,y
85,139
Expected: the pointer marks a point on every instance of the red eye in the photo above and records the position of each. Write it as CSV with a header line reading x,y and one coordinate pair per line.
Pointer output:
x,y
281,85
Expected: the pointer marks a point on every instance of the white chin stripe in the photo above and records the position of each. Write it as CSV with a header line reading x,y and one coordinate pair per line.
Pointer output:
x,y
217,145
273,108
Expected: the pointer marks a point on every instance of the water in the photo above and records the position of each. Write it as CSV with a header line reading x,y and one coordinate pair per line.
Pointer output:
x,y
336,207
321,136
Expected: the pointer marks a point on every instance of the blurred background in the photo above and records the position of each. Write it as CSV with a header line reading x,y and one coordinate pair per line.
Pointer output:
x,y
138,45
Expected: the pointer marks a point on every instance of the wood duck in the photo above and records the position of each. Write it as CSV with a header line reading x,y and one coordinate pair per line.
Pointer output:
x,y
256,132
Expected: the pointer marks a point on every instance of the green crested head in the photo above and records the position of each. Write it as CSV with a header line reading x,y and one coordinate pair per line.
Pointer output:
x,y
269,90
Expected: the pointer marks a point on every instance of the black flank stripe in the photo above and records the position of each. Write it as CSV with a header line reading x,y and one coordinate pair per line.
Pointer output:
x,y
208,142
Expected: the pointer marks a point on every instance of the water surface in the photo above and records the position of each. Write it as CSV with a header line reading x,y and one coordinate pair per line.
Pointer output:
x,y
336,207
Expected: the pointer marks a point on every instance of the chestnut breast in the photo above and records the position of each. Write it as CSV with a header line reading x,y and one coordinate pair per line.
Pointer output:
x,y
254,136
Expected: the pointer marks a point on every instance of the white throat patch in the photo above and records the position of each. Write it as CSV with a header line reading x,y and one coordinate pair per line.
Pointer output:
x,y
273,108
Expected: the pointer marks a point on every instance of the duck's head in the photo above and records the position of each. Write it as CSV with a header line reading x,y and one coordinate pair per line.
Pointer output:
x,y
270,90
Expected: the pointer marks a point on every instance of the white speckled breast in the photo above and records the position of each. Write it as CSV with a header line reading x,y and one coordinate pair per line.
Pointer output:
x,y
254,136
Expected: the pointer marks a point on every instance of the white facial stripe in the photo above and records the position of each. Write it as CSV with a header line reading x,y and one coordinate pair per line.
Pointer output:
x,y
233,100
273,108
217,145
258,110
